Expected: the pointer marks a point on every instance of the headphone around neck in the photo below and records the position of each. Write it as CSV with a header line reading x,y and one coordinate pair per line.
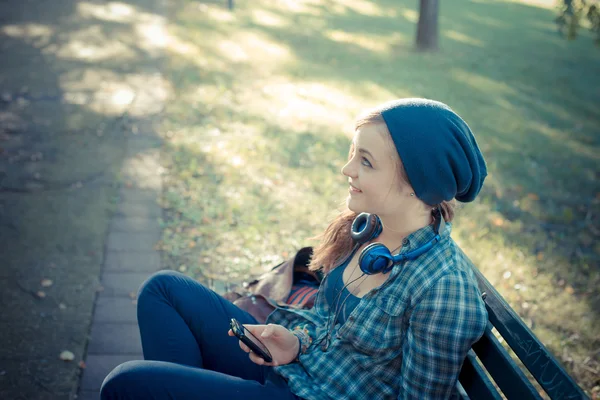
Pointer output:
x,y
376,257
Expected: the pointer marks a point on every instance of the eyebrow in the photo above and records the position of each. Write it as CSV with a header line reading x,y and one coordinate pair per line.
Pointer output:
x,y
366,152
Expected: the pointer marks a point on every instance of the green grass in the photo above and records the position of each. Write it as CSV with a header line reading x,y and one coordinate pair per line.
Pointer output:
x,y
265,100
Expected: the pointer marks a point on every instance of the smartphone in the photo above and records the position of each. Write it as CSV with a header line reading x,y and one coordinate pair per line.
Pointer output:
x,y
250,340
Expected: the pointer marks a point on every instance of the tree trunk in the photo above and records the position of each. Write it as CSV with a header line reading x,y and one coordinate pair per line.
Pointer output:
x,y
427,29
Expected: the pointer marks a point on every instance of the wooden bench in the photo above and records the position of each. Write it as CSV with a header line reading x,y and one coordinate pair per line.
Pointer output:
x,y
489,358
489,355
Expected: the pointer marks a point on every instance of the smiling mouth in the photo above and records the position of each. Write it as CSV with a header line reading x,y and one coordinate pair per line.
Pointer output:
x,y
354,190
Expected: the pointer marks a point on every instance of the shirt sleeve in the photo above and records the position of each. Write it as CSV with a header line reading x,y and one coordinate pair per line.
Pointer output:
x,y
443,326
305,334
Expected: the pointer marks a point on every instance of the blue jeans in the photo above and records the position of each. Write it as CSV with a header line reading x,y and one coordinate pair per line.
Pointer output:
x,y
187,352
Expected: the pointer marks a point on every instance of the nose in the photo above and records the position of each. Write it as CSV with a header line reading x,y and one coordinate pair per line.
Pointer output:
x,y
349,170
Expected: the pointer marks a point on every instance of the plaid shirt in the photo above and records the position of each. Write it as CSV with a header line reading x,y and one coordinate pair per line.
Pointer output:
x,y
406,339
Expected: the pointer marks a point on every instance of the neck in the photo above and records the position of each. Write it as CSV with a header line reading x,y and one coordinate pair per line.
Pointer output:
x,y
396,229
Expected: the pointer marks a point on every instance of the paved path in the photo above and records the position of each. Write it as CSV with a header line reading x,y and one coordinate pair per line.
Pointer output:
x,y
129,259
130,256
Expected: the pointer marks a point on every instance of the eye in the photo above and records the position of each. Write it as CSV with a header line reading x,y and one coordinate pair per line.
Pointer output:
x,y
366,163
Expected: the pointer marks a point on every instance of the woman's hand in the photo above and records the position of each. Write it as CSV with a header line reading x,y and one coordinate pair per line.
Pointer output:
x,y
282,344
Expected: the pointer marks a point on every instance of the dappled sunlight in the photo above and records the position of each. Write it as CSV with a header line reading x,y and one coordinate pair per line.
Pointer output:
x,y
364,7
90,44
482,83
548,4
27,31
97,87
374,43
485,20
308,7
267,96
461,37
565,139
266,18
113,11
299,105
410,15
148,28
255,49
153,33
219,14
109,93
143,169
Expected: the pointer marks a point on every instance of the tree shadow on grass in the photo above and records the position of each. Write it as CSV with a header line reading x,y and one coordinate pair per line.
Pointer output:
x,y
527,93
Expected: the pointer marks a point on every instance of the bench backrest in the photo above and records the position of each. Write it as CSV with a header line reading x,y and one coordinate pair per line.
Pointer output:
x,y
494,358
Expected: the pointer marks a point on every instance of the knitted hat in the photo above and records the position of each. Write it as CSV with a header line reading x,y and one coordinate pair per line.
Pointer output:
x,y
437,148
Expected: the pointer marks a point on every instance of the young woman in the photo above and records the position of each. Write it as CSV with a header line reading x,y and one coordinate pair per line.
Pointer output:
x,y
393,319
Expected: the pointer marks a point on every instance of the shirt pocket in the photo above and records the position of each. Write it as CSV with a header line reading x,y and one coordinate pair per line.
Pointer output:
x,y
379,329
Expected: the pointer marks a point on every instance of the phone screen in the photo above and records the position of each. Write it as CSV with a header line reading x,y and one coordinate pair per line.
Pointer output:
x,y
250,340
255,340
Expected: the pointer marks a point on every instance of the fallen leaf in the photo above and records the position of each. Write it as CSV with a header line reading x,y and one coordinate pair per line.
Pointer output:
x,y
569,289
46,282
507,275
40,294
67,356
498,221
540,256
82,364
62,306
533,196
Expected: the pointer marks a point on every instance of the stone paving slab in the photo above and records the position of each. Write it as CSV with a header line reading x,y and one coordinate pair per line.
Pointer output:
x,y
115,309
115,338
122,284
130,195
88,395
132,261
99,365
136,224
131,241
149,209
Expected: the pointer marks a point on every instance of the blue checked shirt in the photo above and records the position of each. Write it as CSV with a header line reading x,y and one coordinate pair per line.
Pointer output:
x,y
406,339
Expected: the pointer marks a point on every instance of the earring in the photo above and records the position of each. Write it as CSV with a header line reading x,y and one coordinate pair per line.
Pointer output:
x,y
412,195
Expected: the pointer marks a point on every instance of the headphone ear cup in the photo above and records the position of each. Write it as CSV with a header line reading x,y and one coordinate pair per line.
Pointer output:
x,y
365,227
374,258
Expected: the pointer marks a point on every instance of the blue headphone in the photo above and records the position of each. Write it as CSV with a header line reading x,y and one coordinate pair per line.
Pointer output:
x,y
376,257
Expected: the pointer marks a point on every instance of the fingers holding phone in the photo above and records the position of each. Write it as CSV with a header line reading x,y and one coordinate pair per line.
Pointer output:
x,y
266,344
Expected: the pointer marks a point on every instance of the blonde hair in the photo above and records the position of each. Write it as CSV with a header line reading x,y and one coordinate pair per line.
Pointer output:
x,y
336,242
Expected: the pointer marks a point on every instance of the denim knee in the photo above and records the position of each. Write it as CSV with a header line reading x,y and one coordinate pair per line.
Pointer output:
x,y
158,279
119,380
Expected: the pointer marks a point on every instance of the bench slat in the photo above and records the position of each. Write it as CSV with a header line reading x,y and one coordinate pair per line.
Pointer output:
x,y
505,372
538,360
462,393
474,380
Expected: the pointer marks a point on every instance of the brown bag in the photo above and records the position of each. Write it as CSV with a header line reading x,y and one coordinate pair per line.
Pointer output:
x,y
260,296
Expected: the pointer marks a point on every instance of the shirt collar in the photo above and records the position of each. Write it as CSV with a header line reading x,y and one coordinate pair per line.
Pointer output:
x,y
423,236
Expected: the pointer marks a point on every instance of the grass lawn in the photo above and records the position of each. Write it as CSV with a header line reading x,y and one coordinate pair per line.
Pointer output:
x,y
263,112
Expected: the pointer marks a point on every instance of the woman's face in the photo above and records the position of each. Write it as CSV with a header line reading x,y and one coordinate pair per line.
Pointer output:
x,y
372,171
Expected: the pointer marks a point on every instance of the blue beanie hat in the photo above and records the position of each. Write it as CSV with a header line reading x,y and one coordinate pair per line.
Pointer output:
x,y
437,148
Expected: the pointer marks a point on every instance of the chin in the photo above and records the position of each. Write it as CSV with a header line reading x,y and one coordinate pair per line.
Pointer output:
x,y
352,206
